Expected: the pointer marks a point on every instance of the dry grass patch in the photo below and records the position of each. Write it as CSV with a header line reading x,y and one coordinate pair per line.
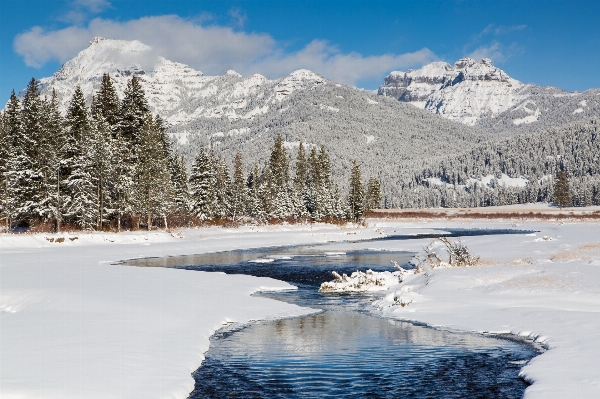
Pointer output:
x,y
584,252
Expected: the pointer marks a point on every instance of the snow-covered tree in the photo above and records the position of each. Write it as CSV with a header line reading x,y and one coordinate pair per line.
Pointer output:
x,y
107,102
562,193
11,133
300,195
202,186
154,191
239,191
280,181
82,201
222,201
134,110
372,195
24,166
355,193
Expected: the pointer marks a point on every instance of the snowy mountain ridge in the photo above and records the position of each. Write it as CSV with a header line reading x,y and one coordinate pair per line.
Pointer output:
x,y
479,93
176,91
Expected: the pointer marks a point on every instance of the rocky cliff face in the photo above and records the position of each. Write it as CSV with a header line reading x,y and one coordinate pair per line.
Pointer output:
x,y
463,92
478,93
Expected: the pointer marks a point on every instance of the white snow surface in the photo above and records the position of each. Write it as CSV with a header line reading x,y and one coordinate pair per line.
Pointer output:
x,y
543,286
73,325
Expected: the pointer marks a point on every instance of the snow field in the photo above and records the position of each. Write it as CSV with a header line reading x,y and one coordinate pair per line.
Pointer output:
x,y
72,325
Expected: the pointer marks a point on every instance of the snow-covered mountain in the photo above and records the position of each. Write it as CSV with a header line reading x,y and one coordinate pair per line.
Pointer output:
x,y
176,91
478,93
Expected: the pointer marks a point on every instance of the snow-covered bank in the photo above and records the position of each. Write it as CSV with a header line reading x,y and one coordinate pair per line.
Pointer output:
x,y
74,326
545,286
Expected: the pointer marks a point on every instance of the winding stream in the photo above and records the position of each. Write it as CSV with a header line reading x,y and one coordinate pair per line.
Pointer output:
x,y
344,351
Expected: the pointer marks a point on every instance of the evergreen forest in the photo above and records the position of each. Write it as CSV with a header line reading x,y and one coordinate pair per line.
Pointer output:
x,y
111,165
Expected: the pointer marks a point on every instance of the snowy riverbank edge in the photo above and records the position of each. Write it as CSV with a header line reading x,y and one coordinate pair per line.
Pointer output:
x,y
157,322
73,325
543,286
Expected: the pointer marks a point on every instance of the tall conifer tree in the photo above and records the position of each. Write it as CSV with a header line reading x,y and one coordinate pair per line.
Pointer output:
x,y
153,180
10,151
355,193
239,192
134,110
82,198
202,186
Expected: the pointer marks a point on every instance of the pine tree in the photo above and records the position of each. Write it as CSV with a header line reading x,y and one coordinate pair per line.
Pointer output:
x,y
562,194
107,102
51,154
300,195
239,198
222,202
326,190
10,151
101,156
82,199
134,110
202,186
179,180
28,164
122,193
253,183
314,184
279,174
372,195
355,193
153,180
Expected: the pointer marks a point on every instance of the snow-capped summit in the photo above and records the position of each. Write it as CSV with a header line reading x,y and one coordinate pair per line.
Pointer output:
x,y
462,92
479,93
178,92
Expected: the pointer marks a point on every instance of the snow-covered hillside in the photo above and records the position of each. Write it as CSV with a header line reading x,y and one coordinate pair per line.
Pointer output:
x,y
479,93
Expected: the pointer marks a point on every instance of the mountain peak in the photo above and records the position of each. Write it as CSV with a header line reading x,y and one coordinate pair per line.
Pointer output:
x,y
233,73
464,62
446,89
96,40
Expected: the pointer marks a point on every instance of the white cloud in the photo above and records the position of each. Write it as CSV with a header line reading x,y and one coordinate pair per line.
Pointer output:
x,y
500,30
94,6
238,16
496,51
80,10
321,57
213,49
492,51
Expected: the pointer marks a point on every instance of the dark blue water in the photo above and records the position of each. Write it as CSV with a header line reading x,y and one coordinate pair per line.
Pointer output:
x,y
344,351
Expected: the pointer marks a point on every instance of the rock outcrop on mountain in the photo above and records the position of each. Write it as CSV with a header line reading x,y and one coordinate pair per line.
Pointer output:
x,y
478,93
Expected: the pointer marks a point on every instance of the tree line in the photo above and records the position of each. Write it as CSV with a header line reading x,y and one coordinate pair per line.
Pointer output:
x,y
112,165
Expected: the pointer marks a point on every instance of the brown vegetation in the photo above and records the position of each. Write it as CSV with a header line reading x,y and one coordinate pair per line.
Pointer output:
x,y
481,213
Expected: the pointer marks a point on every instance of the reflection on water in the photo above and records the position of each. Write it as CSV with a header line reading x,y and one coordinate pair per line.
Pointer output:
x,y
344,351
354,355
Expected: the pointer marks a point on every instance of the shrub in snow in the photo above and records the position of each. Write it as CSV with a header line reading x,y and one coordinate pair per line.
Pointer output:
x,y
458,255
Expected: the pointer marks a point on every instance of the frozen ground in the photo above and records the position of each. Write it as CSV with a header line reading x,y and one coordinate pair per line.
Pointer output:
x,y
72,325
544,286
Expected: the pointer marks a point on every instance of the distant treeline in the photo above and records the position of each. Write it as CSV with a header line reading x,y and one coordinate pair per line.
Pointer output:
x,y
112,166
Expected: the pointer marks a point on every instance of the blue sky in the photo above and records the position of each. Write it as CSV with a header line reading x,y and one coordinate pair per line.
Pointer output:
x,y
355,42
